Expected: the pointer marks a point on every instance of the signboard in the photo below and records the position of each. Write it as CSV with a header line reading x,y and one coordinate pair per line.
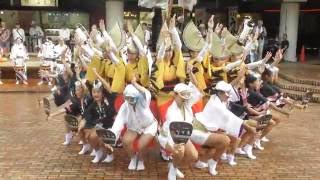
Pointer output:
x,y
40,3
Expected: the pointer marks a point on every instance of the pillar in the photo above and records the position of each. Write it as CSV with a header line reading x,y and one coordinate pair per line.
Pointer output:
x,y
156,27
114,13
289,22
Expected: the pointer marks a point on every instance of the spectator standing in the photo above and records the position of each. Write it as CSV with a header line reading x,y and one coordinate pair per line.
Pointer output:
x,y
284,43
261,38
5,35
36,35
18,32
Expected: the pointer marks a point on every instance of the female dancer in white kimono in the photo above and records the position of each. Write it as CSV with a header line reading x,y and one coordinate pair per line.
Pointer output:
x,y
136,115
211,125
180,111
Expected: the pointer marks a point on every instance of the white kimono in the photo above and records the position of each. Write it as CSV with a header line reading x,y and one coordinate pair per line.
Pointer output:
x,y
18,56
175,114
140,120
47,54
216,116
58,49
18,33
36,34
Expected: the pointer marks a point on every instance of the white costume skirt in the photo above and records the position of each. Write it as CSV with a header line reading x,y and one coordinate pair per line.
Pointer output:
x,y
199,137
151,129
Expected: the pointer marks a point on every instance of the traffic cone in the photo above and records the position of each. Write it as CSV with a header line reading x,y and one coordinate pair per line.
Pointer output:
x,y
302,55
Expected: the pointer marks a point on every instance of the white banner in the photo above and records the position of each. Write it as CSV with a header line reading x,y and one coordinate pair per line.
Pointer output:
x,y
187,4
163,4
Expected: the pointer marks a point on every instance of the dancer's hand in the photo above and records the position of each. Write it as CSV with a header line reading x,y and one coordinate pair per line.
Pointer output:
x,y
102,26
94,70
218,28
211,22
172,24
267,56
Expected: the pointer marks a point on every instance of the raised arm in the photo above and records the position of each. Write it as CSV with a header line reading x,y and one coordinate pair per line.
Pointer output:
x,y
138,43
233,65
255,65
57,113
106,36
278,57
105,84
63,59
113,57
241,73
174,34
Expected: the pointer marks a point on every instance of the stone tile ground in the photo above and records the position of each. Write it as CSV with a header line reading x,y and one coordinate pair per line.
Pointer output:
x,y
30,148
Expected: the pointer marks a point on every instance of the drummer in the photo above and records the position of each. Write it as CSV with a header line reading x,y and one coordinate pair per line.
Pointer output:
x,y
18,56
61,49
46,54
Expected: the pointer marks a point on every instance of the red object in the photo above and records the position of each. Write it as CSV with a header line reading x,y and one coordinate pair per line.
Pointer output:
x,y
198,107
162,109
302,55
118,102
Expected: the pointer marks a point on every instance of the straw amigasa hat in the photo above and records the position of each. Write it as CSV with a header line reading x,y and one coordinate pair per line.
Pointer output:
x,y
118,36
229,39
192,37
165,37
218,49
231,43
139,32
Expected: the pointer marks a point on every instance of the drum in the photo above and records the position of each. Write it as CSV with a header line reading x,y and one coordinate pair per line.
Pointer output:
x,y
18,68
45,67
107,136
72,122
180,132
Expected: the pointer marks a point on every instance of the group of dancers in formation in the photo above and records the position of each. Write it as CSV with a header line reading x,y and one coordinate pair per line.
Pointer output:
x,y
200,109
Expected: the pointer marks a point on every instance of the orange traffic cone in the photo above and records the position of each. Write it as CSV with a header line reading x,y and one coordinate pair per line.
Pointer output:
x,y
302,55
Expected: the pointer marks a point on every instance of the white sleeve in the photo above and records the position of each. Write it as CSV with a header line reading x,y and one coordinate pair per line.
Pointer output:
x,y
196,95
176,39
113,58
203,52
161,51
109,40
12,53
90,52
23,35
98,52
119,121
146,98
233,65
165,135
84,58
255,65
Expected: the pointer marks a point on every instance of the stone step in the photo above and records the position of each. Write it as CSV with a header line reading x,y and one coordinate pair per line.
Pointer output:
x,y
285,84
10,86
297,95
296,80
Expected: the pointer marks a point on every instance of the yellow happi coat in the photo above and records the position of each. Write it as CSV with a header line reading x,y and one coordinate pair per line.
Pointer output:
x,y
139,68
